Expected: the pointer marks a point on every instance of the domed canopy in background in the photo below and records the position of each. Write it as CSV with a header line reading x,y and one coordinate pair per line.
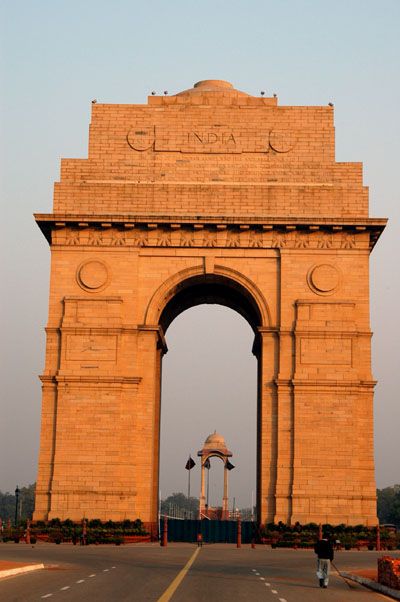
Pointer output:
x,y
214,447
214,443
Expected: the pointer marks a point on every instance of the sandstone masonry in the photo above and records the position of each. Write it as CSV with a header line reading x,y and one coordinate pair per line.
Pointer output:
x,y
209,195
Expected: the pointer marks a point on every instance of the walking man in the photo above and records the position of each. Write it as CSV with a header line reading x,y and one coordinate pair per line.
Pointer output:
x,y
324,551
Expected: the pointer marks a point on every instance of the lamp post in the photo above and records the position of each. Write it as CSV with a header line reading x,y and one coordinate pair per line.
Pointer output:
x,y
16,505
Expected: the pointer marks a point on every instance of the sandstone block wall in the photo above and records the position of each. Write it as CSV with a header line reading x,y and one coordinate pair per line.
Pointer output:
x,y
213,195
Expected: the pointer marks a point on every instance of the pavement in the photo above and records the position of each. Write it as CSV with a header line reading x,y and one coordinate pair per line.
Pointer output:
x,y
10,569
180,573
369,578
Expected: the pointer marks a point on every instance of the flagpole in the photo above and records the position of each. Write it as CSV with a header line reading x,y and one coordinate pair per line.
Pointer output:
x,y
159,514
189,465
189,471
208,486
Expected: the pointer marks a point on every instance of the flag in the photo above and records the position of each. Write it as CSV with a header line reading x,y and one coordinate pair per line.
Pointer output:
x,y
190,463
207,464
229,465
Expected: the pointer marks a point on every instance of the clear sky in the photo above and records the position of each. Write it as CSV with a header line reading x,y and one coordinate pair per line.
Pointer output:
x,y
57,55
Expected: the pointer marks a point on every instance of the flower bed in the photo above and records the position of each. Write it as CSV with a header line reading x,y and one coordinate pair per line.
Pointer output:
x,y
344,536
389,572
85,532
136,538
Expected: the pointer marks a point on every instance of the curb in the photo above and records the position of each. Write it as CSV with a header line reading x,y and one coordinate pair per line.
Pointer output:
x,y
20,570
382,589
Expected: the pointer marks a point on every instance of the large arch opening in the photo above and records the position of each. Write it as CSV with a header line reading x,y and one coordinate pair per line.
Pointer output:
x,y
210,382
211,289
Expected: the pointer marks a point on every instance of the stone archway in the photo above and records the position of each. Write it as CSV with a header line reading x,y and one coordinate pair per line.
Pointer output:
x,y
234,200
230,288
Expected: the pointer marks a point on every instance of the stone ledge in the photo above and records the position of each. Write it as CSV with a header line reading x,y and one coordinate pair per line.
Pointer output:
x,y
17,570
387,591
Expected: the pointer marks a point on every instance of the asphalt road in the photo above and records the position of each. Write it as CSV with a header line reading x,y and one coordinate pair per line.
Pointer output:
x,y
219,573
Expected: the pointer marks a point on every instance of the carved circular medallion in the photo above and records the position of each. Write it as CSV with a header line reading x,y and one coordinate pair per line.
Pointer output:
x,y
323,279
282,141
92,275
141,138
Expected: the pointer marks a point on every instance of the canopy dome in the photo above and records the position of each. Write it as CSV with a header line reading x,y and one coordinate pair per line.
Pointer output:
x,y
215,441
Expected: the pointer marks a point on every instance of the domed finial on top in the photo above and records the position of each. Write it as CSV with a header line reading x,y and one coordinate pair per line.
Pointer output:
x,y
213,87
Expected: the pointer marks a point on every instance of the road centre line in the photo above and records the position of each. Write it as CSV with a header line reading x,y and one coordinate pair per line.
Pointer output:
x,y
273,591
62,589
169,592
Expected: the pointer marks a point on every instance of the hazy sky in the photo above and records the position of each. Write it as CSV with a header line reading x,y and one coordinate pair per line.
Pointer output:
x,y
58,55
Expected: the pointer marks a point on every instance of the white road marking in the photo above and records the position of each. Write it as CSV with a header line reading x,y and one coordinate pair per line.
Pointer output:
x,y
267,584
282,600
258,574
62,589
47,596
262,578
274,591
105,570
94,575
80,581
113,567
254,570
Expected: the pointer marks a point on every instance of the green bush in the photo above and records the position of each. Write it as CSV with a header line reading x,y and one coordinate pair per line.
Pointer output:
x,y
307,544
40,524
118,541
55,535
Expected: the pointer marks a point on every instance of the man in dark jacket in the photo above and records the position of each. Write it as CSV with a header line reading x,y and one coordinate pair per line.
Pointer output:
x,y
324,551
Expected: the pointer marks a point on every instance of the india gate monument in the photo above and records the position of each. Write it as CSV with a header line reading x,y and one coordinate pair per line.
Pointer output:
x,y
209,196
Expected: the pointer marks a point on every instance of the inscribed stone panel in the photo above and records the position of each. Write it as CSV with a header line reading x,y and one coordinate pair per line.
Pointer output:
x,y
91,347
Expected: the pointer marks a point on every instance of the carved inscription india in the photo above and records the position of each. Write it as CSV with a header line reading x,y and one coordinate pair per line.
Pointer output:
x,y
217,139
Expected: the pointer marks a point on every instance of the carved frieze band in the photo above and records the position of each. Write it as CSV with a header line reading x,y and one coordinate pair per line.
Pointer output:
x,y
207,237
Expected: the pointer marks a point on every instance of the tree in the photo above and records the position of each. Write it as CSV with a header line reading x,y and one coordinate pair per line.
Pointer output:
x,y
26,503
389,505
179,504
